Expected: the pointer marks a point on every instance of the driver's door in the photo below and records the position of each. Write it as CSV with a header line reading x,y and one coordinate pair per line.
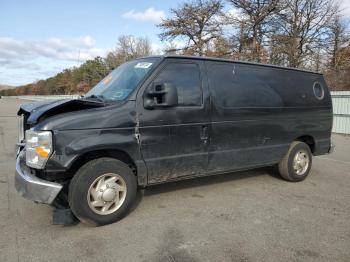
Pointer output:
x,y
174,140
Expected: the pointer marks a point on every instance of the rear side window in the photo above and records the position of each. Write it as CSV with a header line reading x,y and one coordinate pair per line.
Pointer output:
x,y
318,90
237,86
186,78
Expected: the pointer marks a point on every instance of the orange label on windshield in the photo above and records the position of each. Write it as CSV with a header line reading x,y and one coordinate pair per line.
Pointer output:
x,y
107,79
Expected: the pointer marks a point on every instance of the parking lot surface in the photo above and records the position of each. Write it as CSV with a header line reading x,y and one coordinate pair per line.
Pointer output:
x,y
243,216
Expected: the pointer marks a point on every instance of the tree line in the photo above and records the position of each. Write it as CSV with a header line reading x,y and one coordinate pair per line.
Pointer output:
x,y
306,34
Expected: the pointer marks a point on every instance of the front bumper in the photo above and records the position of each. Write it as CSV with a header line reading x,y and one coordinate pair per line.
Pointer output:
x,y
31,187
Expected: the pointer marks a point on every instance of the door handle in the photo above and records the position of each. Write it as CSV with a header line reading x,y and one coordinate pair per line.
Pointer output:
x,y
204,133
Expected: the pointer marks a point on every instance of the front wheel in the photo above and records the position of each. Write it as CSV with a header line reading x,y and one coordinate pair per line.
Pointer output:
x,y
102,191
296,164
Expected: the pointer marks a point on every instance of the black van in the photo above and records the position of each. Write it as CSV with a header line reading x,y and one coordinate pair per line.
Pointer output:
x,y
160,119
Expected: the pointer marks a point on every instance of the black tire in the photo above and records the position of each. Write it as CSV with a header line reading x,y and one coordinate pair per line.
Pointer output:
x,y
85,177
285,166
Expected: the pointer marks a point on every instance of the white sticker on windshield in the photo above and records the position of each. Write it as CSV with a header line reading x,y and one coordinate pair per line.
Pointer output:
x,y
143,65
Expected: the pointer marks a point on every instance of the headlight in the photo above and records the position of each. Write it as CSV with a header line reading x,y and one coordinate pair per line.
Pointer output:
x,y
38,148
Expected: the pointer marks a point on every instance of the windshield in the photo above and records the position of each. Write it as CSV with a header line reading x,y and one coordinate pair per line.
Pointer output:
x,y
123,80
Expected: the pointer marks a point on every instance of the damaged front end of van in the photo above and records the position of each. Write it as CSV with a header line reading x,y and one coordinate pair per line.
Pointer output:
x,y
35,147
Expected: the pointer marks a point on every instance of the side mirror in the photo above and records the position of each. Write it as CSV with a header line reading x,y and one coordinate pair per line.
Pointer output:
x,y
160,95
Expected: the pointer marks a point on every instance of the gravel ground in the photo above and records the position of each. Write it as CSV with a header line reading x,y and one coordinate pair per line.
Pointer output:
x,y
243,216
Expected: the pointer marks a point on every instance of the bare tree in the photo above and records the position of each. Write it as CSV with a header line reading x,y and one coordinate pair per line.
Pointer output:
x,y
253,24
338,66
128,47
302,26
196,22
338,38
220,47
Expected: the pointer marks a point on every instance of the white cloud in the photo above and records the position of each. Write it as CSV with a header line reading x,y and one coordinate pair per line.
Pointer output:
x,y
149,15
14,64
234,13
34,60
345,8
58,48
179,43
79,42
156,48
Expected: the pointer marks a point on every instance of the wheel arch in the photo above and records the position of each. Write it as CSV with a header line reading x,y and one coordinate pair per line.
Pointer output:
x,y
94,154
309,140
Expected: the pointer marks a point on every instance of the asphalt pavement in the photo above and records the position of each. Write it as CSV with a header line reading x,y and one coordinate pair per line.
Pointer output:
x,y
243,216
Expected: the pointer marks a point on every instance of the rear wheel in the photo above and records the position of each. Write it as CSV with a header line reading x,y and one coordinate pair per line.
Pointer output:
x,y
102,191
296,164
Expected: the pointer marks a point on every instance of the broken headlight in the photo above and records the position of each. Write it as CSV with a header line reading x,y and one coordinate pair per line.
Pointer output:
x,y
38,148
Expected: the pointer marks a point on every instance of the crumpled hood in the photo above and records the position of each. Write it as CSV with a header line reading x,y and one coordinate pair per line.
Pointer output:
x,y
38,110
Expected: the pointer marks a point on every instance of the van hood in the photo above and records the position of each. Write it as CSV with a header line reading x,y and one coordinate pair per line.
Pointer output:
x,y
38,111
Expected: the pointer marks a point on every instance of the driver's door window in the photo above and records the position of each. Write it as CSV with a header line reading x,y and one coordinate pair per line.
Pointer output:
x,y
186,78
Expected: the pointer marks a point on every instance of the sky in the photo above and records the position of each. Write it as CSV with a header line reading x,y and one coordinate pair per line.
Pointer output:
x,y
39,38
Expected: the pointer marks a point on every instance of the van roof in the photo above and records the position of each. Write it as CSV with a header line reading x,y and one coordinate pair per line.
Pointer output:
x,y
235,61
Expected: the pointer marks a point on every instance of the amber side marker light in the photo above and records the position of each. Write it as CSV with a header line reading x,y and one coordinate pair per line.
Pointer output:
x,y
42,152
